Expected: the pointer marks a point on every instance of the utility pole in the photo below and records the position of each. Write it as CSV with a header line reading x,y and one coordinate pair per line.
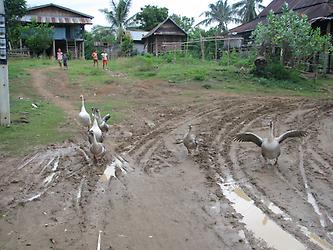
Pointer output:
x,y
4,88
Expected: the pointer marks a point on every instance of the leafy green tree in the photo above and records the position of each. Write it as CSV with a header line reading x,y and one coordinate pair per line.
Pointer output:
x,y
88,44
186,23
103,34
220,13
293,32
14,9
150,16
38,37
97,34
247,10
118,16
127,45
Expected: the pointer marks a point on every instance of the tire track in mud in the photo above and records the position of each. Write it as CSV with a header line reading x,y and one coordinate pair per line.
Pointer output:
x,y
221,145
152,137
97,200
210,159
154,147
156,144
244,175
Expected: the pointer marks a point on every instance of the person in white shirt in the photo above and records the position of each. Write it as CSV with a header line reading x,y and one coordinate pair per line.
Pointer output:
x,y
105,59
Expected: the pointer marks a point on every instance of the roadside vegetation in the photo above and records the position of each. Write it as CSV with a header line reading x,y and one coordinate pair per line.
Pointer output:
x,y
232,73
30,126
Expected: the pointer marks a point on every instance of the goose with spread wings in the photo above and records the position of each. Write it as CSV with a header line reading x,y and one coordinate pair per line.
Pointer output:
x,y
270,147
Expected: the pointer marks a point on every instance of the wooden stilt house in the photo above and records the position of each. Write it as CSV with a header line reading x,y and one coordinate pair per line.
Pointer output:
x,y
68,26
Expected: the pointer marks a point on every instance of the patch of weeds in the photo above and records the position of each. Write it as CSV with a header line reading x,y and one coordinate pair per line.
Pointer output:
x,y
109,81
207,86
199,77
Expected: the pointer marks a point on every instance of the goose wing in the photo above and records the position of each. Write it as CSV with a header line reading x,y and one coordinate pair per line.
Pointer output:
x,y
106,117
249,137
291,133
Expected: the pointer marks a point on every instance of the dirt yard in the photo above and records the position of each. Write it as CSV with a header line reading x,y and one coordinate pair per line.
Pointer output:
x,y
148,193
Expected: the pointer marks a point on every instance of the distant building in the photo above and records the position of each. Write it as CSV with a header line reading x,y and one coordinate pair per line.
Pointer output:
x,y
137,37
68,26
319,13
166,36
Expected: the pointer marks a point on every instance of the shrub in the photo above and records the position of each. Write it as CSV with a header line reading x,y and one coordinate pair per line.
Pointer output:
x,y
275,70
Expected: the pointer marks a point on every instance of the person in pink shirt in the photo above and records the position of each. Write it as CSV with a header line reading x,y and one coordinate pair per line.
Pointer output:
x,y
59,57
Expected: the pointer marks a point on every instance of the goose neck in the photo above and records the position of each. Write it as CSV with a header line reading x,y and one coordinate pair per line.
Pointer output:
x,y
271,136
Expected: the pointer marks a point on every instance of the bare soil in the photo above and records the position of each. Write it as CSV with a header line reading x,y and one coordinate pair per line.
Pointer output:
x,y
158,196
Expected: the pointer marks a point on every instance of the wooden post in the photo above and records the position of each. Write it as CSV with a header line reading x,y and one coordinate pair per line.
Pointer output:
x,y
4,85
228,51
156,47
327,53
83,52
202,45
186,47
215,47
75,49
54,50
66,46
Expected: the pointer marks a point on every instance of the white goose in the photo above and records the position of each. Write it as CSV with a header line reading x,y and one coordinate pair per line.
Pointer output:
x,y
96,148
270,147
102,122
83,115
97,131
190,141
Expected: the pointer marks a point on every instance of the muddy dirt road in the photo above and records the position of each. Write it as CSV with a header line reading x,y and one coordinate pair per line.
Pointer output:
x,y
149,194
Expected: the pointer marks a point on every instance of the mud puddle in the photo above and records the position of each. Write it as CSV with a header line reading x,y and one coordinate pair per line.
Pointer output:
x,y
257,221
261,225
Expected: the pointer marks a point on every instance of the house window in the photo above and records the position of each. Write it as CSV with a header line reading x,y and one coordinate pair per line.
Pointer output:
x,y
59,33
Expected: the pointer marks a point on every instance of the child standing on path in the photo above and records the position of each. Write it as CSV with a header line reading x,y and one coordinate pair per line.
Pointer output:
x,y
95,58
105,59
59,57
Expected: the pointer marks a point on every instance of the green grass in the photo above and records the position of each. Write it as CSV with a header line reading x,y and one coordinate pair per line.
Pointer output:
x,y
19,78
211,75
44,122
43,127
83,74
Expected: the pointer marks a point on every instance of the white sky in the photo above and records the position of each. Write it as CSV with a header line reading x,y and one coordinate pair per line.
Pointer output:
x,y
190,8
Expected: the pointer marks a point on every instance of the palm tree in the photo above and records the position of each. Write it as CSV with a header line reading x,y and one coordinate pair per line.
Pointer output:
x,y
220,13
118,16
247,10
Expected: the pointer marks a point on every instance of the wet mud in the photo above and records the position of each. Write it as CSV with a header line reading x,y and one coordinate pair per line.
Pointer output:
x,y
148,193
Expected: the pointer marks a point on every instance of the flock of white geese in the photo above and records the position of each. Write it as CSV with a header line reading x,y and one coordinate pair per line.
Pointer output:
x,y
96,129
270,146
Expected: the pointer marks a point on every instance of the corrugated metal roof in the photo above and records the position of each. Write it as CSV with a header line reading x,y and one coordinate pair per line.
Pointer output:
x,y
51,19
313,9
137,35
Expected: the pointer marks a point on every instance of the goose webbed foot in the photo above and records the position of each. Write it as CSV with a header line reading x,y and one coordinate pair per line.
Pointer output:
x,y
276,162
